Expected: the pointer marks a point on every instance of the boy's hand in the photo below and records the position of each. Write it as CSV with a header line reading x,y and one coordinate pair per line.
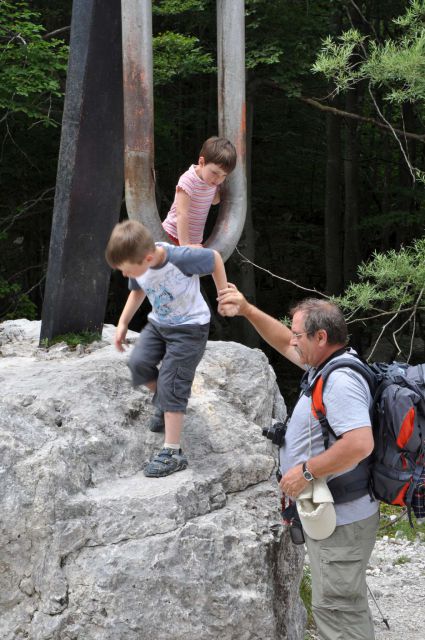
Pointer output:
x,y
119,339
231,301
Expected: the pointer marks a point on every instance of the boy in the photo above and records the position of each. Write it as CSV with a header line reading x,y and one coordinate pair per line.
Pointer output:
x,y
197,190
177,328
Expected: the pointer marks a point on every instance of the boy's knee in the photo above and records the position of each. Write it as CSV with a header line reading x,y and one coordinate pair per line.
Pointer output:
x,y
141,372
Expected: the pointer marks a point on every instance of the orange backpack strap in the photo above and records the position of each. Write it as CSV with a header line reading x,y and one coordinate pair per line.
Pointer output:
x,y
351,484
318,410
317,399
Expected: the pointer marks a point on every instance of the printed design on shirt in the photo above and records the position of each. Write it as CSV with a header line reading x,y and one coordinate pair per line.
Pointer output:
x,y
160,298
175,297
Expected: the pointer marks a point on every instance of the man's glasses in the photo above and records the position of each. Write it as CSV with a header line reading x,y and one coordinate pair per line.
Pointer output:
x,y
298,335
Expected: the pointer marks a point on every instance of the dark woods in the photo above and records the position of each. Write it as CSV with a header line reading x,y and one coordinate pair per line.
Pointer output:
x,y
330,181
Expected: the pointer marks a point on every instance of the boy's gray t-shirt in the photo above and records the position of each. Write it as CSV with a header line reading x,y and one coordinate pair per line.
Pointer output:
x,y
173,288
347,399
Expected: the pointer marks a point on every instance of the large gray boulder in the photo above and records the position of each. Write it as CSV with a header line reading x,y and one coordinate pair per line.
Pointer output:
x,y
90,549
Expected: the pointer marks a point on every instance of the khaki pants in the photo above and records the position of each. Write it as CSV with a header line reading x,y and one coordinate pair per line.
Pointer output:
x,y
338,575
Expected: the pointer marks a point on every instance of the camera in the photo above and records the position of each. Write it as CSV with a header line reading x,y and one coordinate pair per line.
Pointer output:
x,y
275,433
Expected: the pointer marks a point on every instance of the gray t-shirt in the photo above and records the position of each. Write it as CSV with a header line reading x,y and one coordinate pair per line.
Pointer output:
x,y
347,400
173,288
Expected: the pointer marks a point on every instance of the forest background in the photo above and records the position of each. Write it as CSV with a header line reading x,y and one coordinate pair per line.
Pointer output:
x,y
335,155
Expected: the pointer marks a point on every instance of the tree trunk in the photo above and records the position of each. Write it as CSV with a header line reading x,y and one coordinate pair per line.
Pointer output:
x,y
351,180
333,207
406,199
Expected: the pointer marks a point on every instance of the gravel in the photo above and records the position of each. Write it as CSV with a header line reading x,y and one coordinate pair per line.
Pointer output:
x,y
396,576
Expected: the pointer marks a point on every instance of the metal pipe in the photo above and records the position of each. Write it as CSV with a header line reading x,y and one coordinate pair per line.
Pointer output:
x,y
231,122
139,114
139,118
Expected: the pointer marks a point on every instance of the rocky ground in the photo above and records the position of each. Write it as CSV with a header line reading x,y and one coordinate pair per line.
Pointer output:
x,y
396,577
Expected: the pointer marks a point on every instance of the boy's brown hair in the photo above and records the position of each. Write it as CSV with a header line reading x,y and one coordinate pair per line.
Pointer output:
x,y
219,151
130,241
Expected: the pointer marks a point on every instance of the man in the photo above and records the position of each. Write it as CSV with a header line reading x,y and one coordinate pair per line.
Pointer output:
x,y
338,563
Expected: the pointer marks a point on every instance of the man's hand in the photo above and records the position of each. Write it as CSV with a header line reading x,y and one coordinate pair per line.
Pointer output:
x,y
231,301
119,338
293,482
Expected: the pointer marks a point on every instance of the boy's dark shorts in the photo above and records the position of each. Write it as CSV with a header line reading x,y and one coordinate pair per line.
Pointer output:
x,y
180,348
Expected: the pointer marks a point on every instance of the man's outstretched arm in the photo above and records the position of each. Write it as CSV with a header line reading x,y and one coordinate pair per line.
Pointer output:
x,y
231,302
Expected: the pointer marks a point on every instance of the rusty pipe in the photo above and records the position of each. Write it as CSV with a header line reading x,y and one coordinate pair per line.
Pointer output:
x,y
139,167
231,123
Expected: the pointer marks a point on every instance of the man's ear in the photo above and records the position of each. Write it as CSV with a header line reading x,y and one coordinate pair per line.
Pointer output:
x,y
149,257
322,336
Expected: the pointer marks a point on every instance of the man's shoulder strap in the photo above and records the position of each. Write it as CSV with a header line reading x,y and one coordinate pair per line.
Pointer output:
x,y
353,362
316,388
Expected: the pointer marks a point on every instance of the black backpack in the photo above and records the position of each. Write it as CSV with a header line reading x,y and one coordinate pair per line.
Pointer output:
x,y
395,472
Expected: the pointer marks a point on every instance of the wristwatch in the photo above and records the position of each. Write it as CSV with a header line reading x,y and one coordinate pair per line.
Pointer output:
x,y
306,473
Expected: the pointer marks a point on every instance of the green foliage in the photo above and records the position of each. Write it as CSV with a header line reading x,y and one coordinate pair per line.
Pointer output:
x,y
401,560
414,18
268,54
392,281
400,66
305,595
73,339
337,59
15,304
281,41
395,519
30,67
396,65
178,55
172,7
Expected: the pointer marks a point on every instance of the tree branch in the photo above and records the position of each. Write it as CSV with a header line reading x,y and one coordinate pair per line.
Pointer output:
x,y
380,314
258,82
319,293
354,116
396,314
412,315
55,32
349,319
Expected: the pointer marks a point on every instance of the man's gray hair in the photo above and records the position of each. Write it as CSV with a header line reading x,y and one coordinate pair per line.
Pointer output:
x,y
322,314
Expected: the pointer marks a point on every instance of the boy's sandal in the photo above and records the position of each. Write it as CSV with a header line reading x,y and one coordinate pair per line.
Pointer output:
x,y
167,461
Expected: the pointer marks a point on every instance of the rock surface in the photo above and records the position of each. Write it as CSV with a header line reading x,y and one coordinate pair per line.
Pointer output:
x,y
90,549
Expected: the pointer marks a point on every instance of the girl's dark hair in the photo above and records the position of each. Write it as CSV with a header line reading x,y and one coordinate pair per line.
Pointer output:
x,y
219,151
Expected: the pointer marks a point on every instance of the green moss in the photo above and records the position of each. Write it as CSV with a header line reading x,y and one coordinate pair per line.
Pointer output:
x,y
73,339
388,527
305,594
401,560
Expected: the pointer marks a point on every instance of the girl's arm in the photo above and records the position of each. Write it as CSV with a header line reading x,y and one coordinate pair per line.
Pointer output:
x,y
219,273
182,213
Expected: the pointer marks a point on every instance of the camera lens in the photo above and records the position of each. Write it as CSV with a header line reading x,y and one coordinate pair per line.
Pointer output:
x,y
275,433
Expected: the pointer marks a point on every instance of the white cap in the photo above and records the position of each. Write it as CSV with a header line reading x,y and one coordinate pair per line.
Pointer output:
x,y
316,510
